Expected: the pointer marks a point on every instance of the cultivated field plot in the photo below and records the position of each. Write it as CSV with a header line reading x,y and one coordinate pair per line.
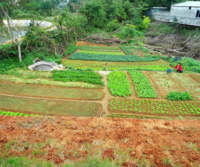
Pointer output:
x,y
160,65
175,83
50,107
44,78
154,108
50,91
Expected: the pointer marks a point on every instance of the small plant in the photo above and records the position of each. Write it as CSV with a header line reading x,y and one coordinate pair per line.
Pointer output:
x,y
178,96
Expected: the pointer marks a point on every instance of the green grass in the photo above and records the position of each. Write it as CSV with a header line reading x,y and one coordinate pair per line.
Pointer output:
x,y
50,91
50,107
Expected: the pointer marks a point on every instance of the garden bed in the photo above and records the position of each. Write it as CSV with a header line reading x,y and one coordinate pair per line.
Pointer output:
x,y
50,107
50,91
155,107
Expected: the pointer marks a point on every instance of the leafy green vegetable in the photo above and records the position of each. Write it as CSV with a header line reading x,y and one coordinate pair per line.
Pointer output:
x,y
74,76
178,96
142,85
96,48
8,113
118,84
132,58
101,53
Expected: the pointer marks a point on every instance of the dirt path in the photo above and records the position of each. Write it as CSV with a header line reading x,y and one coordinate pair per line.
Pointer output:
x,y
106,98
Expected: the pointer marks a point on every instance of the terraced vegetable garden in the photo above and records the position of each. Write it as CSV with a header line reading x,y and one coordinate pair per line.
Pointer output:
x,y
154,107
139,88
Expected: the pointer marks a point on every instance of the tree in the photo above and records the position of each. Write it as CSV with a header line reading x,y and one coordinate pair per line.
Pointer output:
x,y
6,28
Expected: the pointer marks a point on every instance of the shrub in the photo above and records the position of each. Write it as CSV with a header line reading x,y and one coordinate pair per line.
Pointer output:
x,y
178,96
71,49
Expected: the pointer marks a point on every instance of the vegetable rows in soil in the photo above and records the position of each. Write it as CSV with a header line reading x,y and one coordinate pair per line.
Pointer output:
x,y
154,107
111,58
50,91
118,84
74,76
142,85
50,107
96,48
160,65
101,53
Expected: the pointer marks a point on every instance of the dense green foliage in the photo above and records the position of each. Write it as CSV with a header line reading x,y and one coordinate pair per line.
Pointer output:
x,y
188,64
71,49
96,48
118,84
132,58
178,96
127,50
102,53
142,85
74,76
8,113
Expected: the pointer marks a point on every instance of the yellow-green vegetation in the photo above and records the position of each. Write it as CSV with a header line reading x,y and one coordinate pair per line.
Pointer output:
x,y
50,107
160,65
50,91
41,78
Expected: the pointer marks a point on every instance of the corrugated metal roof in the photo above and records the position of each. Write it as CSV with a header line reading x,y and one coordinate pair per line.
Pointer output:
x,y
188,3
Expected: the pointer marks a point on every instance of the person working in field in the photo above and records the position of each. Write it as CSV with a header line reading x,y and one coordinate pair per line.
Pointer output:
x,y
179,68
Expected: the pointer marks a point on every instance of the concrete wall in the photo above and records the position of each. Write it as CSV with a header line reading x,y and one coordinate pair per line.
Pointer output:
x,y
184,11
166,17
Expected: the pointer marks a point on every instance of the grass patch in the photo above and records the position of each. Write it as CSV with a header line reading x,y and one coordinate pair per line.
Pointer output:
x,y
50,107
54,92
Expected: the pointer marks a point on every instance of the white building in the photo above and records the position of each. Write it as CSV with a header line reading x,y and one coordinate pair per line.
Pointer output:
x,y
184,13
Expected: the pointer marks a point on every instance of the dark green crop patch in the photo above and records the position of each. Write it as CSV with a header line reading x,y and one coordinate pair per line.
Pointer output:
x,y
75,76
178,96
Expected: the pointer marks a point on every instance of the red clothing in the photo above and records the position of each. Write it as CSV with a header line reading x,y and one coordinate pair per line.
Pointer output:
x,y
179,68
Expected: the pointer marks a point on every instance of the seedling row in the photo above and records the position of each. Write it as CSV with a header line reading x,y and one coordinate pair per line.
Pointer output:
x,y
152,107
96,48
99,53
142,85
112,58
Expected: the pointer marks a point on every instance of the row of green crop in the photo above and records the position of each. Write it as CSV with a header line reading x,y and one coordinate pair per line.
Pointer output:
x,y
125,66
123,115
132,58
118,84
127,50
9,113
155,107
74,76
96,48
101,53
142,85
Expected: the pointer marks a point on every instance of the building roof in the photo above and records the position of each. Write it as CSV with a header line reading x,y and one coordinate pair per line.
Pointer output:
x,y
188,4
159,8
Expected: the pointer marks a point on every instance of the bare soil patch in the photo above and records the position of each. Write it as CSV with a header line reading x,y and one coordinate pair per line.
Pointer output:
x,y
61,139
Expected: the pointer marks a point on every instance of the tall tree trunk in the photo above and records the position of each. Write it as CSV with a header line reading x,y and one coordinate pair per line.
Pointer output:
x,y
19,52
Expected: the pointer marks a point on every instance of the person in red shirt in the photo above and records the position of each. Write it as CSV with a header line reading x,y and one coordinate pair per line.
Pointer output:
x,y
179,68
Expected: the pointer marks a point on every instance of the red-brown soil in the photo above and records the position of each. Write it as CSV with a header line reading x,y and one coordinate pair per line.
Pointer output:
x,y
60,139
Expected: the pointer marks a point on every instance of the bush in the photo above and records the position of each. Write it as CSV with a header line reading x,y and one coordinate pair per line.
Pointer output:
x,y
177,96
71,49
188,64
